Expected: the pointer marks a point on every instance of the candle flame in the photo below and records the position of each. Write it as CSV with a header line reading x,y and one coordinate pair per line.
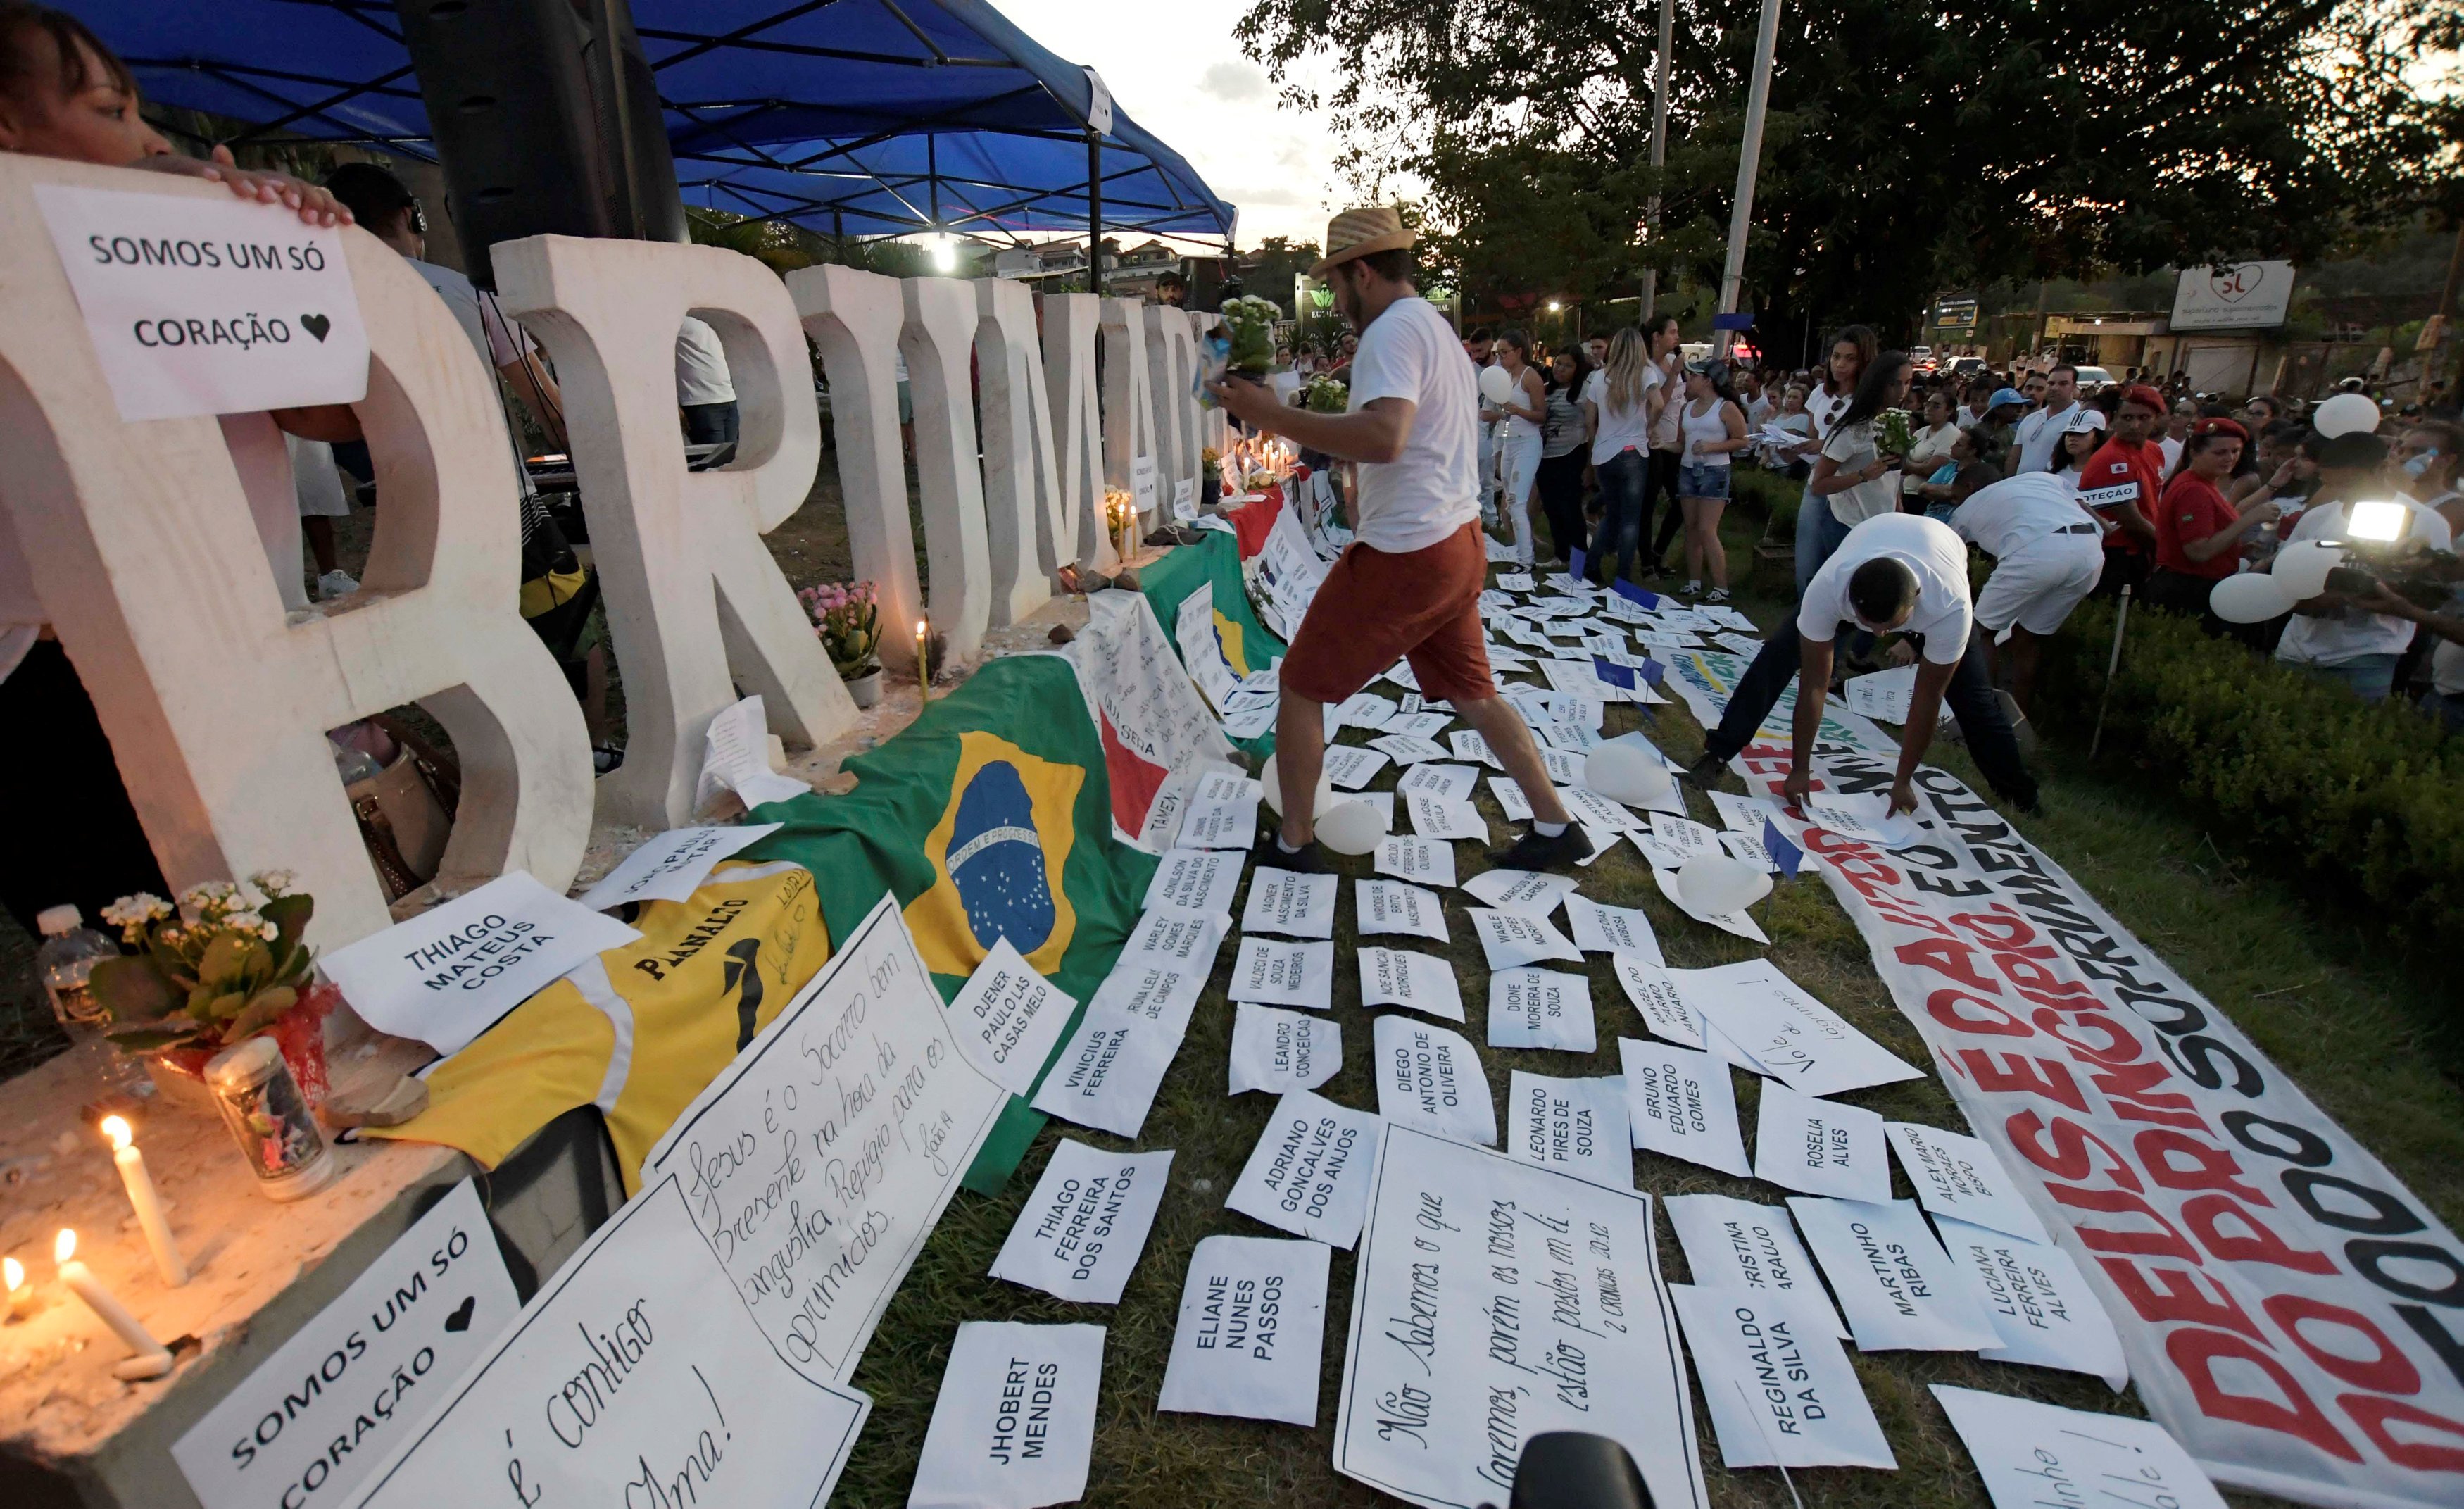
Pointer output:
x,y
64,1246
14,1271
116,1127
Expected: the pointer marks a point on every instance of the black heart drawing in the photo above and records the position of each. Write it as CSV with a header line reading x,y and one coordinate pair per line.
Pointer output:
x,y
315,326
460,1319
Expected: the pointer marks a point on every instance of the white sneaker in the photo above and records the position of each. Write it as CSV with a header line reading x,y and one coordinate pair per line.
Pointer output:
x,y
334,583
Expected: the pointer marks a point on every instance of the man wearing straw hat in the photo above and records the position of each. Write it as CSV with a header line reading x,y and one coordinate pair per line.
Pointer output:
x,y
1408,587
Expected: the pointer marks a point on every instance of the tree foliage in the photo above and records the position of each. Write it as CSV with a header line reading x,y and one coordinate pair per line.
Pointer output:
x,y
1911,144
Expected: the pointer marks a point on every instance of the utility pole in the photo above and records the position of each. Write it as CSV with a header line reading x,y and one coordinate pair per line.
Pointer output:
x,y
1094,210
1658,151
1749,153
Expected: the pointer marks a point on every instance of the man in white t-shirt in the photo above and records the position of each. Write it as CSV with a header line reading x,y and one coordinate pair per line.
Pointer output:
x,y
705,387
2043,430
2048,551
1408,587
1903,573
2332,637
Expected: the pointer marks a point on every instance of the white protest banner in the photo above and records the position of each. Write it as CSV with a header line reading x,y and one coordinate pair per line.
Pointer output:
x,y
208,304
1431,1078
1611,929
1819,1147
1422,981
1195,882
2032,1454
447,975
1540,1008
1407,748
635,1368
1447,782
1898,1288
1290,903
1014,1420
1274,973
1794,1037
1150,715
1656,998
1223,813
1252,1330
1082,1229
1574,1127
1394,906
1738,922
818,1162
415,1319
1737,1244
735,757
1278,1049
1184,943
1433,818
669,867
1494,1301
1780,1387
1309,1172
1509,939
1424,861
1531,892
1680,1103
1350,767
1958,1176
2037,1303
1006,1018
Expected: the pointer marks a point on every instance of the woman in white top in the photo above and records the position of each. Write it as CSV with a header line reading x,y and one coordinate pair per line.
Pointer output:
x,y
1620,401
1793,418
1851,477
1934,439
1518,459
2082,439
1711,426
1818,532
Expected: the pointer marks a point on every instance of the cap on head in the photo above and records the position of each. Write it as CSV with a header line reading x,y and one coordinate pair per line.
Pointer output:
x,y
2010,396
1360,232
2359,451
1881,590
2089,420
2145,396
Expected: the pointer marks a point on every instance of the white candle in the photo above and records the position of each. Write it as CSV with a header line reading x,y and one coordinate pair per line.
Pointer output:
x,y
152,1360
21,1294
150,1218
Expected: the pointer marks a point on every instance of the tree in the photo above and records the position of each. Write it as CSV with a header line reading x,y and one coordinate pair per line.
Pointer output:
x,y
1909,145
1269,270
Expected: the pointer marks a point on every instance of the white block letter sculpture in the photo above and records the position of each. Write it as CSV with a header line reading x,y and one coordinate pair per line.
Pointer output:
x,y
1172,366
854,319
1077,423
147,564
939,346
1129,403
1025,526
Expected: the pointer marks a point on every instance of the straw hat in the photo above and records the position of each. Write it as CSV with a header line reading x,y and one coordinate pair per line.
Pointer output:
x,y
1361,231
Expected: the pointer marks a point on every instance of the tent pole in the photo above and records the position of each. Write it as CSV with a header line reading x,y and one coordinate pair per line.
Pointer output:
x,y
1094,213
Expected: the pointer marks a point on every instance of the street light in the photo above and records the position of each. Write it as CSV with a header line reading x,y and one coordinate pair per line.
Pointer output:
x,y
1555,307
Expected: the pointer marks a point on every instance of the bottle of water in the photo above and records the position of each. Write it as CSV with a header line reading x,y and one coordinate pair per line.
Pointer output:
x,y
69,952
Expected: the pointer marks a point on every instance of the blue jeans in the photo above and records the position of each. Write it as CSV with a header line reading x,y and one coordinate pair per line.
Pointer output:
x,y
1622,477
1818,537
2448,710
2370,678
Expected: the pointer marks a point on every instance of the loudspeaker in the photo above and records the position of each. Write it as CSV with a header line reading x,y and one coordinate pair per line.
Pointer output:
x,y
530,102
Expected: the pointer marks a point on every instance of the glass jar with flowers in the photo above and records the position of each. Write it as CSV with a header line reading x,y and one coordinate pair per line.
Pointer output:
x,y
847,615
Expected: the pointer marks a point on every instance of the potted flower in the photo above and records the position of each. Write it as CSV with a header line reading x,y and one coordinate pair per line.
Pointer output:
x,y
1324,395
848,618
1210,477
1251,321
229,965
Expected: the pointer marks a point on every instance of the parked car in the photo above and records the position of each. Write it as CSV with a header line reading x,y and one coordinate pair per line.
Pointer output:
x,y
2094,379
1965,367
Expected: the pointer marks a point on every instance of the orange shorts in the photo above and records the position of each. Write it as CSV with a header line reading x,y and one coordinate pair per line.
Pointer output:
x,y
1375,608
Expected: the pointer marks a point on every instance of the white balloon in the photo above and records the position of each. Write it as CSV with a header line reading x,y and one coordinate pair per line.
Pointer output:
x,y
1496,385
1274,783
1351,825
1627,773
1718,883
2253,597
2346,413
2302,568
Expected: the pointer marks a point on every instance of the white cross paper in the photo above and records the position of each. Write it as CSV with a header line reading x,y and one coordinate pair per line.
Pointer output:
x,y
1737,1244
1291,902
1310,1170
1350,767
1195,882
1574,1127
1005,1380
1819,1147
1423,861
1609,929
1006,1018
1422,981
1526,892
1899,1290
1680,1103
1540,1008
1082,1229
1431,1078
2037,1303
1819,1418
1656,997
2027,1453
1958,1176
1274,973
1251,1336
1397,906
1510,939
1276,1049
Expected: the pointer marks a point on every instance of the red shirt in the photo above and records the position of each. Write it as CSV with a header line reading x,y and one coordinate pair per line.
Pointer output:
x,y
2194,510
2120,473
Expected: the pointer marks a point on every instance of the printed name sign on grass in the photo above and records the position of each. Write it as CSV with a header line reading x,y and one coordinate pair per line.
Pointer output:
x,y
1252,1330
1014,1420
1080,1232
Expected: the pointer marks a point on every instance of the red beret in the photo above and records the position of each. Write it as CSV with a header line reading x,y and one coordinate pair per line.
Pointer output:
x,y
2145,396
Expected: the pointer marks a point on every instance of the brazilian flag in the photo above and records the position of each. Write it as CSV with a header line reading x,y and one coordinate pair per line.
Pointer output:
x,y
988,816
1214,566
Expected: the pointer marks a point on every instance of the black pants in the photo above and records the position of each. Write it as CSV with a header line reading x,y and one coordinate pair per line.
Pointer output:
x,y
74,837
1561,485
1970,694
711,424
2188,595
1664,491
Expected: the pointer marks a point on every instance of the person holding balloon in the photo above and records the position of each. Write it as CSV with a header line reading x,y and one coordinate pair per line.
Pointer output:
x,y
2199,535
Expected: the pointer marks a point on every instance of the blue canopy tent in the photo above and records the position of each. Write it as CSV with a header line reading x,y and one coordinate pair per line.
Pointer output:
x,y
849,117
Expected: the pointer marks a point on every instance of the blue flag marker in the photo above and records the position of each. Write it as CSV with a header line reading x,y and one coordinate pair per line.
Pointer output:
x,y
1654,671
1620,677
1634,594
1787,856
1574,564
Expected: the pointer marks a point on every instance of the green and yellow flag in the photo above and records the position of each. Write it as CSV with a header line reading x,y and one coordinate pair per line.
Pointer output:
x,y
1212,566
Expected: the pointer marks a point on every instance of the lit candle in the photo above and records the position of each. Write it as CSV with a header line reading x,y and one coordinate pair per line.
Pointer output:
x,y
923,657
152,1360
21,1294
149,1205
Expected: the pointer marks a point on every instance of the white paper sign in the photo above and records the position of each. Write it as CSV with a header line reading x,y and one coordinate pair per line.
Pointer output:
x,y
1274,973
1531,892
1422,981
1737,1244
1407,748
674,865
1744,814
1007,1018
1108,1071
1222,812
1780,1387
1184,498
1014,1423
1682,1104
1445,783
1433,818
1290,903
424,1310
2032,1454
1195,882
1494,1301
1819,1147
1509,939
636,1360
209,305
1252,1330
1958,1176
818,1162
1350,767
1656,997
1431,1078
1394,906
1184,943
1082,1230
447,975
1424,861
1791,1035
1898,1288
2036,1301
1425,726
1574,1127
1279,1051
1540,1008
1309,1172
1611,929
1364,710
1468,745
735,757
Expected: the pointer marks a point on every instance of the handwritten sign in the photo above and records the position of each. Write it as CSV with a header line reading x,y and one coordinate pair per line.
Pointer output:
x,y
1014,1422
674,865
209,305
1493,1301
1780,1387
1082,1229
1422,981
1431,1079
636,1371
735,757
2033,1453
447,975
362,1372
1680,1103
1309,1172
1279,1051
1252,1330
1006,1018
817,1163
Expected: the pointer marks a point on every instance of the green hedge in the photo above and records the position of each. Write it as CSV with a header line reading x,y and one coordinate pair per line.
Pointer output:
x,y
2367,797
1770,495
